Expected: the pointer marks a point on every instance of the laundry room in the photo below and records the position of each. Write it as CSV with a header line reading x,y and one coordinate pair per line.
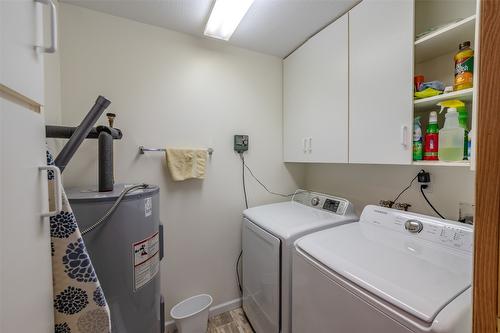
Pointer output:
x,y
267,166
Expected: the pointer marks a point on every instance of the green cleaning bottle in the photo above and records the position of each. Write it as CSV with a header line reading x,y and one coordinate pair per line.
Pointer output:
x,y
462,122
418,149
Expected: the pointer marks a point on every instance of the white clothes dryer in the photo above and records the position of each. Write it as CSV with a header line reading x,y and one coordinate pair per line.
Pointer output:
x,y
268,235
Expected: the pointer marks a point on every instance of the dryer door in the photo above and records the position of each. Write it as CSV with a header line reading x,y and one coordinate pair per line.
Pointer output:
x,y
261,278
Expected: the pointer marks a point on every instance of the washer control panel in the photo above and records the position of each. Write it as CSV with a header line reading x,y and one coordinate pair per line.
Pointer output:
x,y
323,202
448,233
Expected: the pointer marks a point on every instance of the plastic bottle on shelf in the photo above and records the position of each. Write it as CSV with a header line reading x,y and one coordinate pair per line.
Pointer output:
x,y
451,138
463,119
431,141
469,145
417,140
464,66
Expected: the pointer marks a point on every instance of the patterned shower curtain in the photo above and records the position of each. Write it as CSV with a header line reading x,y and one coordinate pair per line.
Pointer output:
x,y
79,302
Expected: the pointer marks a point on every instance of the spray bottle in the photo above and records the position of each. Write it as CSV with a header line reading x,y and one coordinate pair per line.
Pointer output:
x,y
463,119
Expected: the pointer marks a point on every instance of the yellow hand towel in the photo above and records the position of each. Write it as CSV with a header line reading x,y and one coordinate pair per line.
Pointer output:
x,y
186,163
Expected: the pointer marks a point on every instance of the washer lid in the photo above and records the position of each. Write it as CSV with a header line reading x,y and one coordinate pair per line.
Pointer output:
x,y
291,219
419,276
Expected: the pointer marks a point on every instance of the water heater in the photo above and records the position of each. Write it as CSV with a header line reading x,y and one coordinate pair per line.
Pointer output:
x,y
126,251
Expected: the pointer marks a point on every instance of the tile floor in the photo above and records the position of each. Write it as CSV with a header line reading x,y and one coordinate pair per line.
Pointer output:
x,y
229,322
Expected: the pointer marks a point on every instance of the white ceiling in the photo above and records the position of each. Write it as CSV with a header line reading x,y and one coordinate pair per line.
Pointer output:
x,y
275,27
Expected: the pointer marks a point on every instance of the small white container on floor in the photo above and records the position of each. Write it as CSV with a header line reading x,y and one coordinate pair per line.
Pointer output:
x,y
191,315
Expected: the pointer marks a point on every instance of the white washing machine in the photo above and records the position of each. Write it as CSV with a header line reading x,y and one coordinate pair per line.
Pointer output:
x,y
268,235
393,272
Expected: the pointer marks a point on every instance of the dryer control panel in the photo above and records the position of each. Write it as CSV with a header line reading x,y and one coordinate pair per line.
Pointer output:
x,y
323,202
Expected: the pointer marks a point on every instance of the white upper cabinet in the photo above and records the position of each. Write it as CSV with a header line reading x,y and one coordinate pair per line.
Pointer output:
x,y
315,97
381,82
21,62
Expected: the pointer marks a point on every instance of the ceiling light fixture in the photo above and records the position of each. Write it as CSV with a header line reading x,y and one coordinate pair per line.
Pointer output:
x,y
225,17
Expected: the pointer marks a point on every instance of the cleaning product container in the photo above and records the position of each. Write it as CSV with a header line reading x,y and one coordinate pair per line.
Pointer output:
x,y
191,315
451,138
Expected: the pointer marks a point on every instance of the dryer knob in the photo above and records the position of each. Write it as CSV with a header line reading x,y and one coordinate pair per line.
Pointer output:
x,y
315,201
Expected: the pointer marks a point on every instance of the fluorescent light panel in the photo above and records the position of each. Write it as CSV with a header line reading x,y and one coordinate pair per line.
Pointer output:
x,y
225,17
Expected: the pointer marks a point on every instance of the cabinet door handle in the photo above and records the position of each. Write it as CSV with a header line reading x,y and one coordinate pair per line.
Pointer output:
x,y
57,189
53,27
404,136
310,144
305,145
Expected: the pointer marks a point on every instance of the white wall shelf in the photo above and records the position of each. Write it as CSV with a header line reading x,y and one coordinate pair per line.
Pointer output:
x,y
464,95
445,40
442,163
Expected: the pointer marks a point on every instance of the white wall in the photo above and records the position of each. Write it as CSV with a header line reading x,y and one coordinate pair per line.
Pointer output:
x,y
368,184
170,89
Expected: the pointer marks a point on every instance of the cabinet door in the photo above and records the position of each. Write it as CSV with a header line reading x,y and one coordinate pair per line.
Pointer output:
x,y
381,82
26,268
316,97
21,65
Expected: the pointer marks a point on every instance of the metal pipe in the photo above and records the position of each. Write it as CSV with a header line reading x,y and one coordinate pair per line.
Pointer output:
x,y
81,132
65,132
106,178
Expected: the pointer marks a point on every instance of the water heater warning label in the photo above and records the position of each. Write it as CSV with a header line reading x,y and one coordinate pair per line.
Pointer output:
x,y
146,260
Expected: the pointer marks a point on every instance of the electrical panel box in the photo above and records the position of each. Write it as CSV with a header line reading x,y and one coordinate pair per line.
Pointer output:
x,y
240,143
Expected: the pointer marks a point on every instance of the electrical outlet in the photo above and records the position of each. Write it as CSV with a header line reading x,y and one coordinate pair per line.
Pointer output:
x,y
240,143
424,178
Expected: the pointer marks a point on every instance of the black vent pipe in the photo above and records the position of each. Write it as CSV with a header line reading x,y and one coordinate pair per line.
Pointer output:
x,y
65,132
105,166
81,132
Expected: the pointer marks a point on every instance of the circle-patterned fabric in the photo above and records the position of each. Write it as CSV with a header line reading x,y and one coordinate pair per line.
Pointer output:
x,y
71,300
62,225
62,328
95,321
77,263
99,297
79,302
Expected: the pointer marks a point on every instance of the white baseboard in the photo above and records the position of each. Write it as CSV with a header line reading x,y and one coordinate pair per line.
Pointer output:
x,y
224,307
213,311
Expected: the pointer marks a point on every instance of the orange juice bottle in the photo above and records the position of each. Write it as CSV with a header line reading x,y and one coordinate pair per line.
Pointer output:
x,y
464,67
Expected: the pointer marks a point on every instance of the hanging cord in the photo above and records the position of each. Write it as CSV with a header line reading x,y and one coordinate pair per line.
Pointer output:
x,y
113,208
246,205
425,197
261,183
238,272
422,187
243,179
406,188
